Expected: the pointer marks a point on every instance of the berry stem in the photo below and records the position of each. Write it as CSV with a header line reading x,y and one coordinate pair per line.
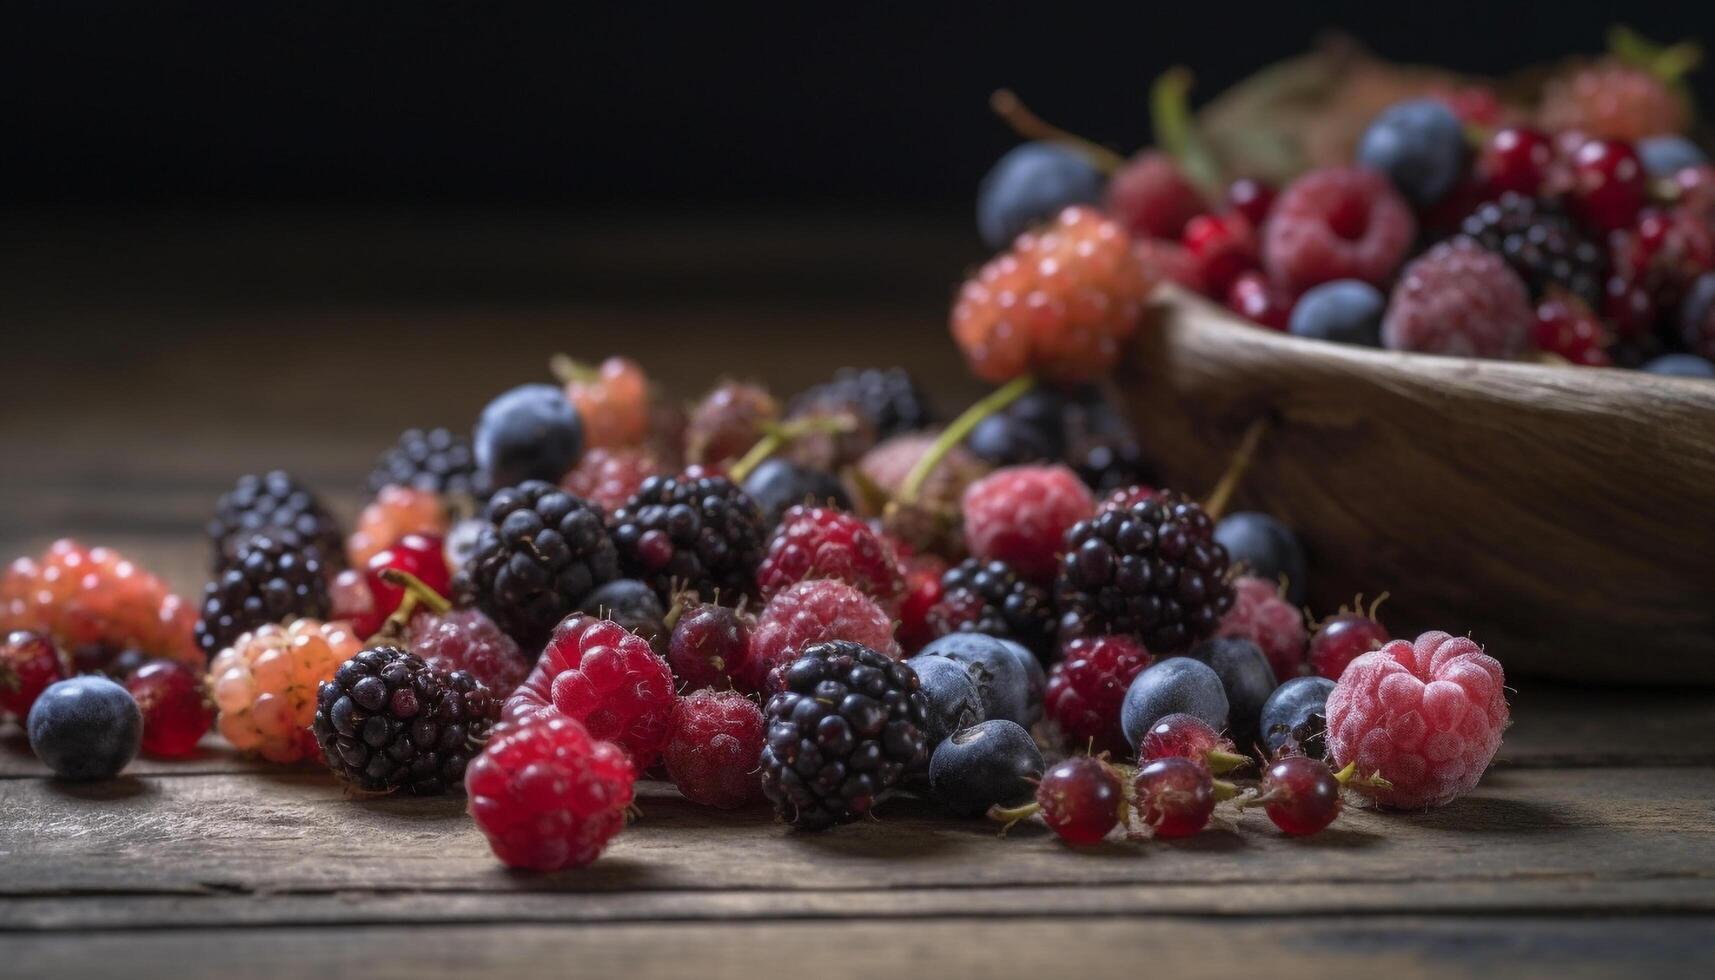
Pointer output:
x,y
1348,776
1229,483
569,370
1221,761
956,433
417,593
1225,791
1176,131
779,437
1029,125
1007,816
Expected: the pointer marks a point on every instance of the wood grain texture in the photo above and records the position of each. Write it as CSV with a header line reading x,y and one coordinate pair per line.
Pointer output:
x,y
1564,517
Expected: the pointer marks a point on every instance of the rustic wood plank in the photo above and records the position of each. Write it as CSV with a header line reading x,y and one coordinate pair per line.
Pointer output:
x,y
1092,948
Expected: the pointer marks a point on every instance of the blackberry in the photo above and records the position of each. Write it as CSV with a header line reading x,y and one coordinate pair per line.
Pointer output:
x,y
848,726
888,398
989,597
1542,245
273,502
1152,569
274,577
700,535
389,721
539,552
435,460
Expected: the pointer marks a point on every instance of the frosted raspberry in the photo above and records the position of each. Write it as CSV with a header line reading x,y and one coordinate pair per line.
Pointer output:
x,y
1151,198
1337,223
728,421
1059,304
709,645
821,542
1426,714
1019,515
1087,688
891,461
1262,615
394,513
1459,299
265,686
548,796
1165,261
922,591
713,747
809,613
610,477
467,640
1613,100
96,598
612,400
605,676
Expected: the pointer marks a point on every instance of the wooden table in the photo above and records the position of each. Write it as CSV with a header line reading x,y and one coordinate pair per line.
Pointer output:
x,y
1588,850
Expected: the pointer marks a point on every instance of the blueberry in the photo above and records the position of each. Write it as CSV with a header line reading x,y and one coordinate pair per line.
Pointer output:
x,y
1664,156
1695,306
996,762
1036,678
1267,547
778,484
1031,429
1000,670
954,701
85,728
1033,181
1680,366
1420,146
1296,712
633,605
1169,686
529,433
1246,678
1345,311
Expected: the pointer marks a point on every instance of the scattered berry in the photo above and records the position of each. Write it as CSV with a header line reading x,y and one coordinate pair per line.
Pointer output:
x,y
609,477
989,597
1612,100
1256,299
1541,244
176,711
889,400
1665,156
29,662
1087,687
1009,679
265,686
394,513
995,763
1059,304
548,796
421,557
1082,799
633,605
1567,329
845,727
952,699
806,614
1420,145
601,674
1516,160
1030,184
1168,261
1150,197
95,598
1426,714
1295,718
1173,797
1345,637
1266,548
612,400
1263,616
85,728
1177,685
1224,247
1665,252
272,578
1345,311
713,746
271,504
467,640
1251,198
1301,795
435,461
349,599
699,534
531,432
1337,224
1462,300
730,419
922,592
1680,366
1246,677
778,484
709,646
1608,185
821,542
1020,515
1183,736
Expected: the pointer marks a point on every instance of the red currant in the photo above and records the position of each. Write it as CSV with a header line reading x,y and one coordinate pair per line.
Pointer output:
x,y
1566,328
1174,797
176,711
1082,799
1608,185
417,554
1253,297
29,662
1183,736
1342,639
1223,246
1301,795
1516,159
1251,198
354,603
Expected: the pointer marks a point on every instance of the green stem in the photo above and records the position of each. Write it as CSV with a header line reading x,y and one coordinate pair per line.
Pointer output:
x,y
954,434
1029,125
779,436
417,593
568,370
1229,484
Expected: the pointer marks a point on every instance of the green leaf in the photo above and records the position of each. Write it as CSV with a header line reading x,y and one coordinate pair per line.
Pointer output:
x,y
1176,130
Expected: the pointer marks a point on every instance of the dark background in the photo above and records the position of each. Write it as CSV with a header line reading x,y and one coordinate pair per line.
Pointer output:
x,y
611,106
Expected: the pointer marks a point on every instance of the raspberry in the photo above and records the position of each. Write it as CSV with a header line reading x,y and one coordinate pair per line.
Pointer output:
x,y
1151,198
989,597
1168,261
890,400
265,686
1613,100
1019,515
466,640
1262,615
698,534
887,465
176,711
1087,687
29,662
1224,248
606,677
1427,715
273,502
1567,329
728,421
802,615
1337,223
609,477
1459,299
1541,244
612,400
436,461
1251,198
394,513
272,578
820,542
1059,304
712,749
709,645
96,598
548,796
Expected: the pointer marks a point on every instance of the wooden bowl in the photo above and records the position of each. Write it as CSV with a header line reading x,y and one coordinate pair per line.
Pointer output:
x,y
1564,517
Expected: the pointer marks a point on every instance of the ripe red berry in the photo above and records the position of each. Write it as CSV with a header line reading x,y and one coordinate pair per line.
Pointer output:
x,y
1058,304
1019,515
549,796
96,598
808,613
609,477
823,542
176,711
1260,614
1566,328
1082,799
709,645
29,662
606,677
1608,185
1251,198
1301,795
922,591
712,749
1516,159
1459,299
1223,246
1151,198
727,422
421,556
1256,299
1087,687
1183,736
467,640
1344,638
1174,797
612,401
395,512
1337,223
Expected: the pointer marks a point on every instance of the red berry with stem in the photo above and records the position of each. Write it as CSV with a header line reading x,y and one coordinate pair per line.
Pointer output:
x,y
1174,797
1346,636
29,662
1608,185
709,645
1081,799
1183,736
418,555
176,711
1223,246
1256,299
1251,198
354,603
1515,159
1301,795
